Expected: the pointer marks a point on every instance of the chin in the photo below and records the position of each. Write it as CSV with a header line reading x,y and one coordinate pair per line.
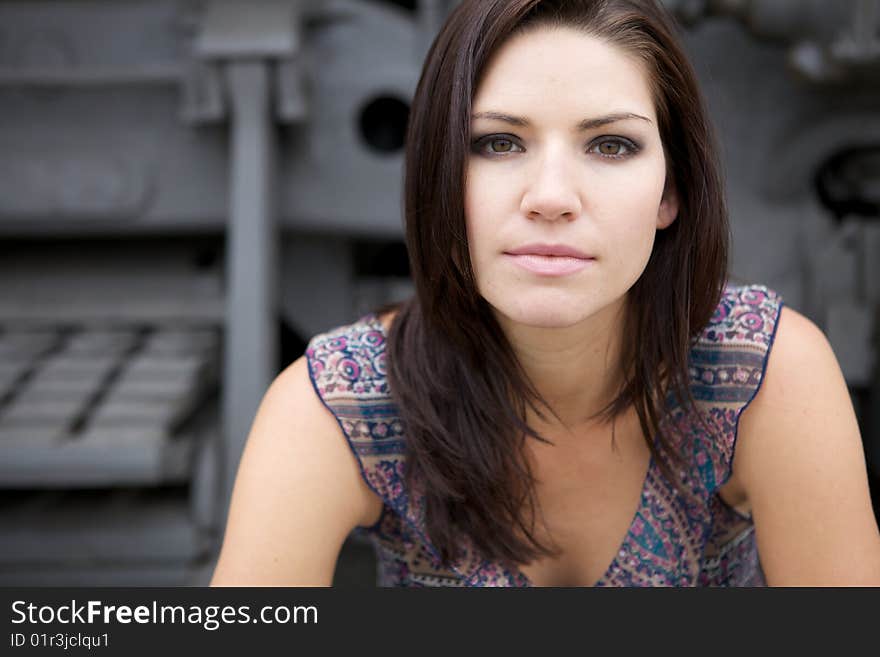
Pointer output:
x,y
547,313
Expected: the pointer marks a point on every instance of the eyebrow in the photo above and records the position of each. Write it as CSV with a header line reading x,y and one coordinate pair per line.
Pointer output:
x,y
586,124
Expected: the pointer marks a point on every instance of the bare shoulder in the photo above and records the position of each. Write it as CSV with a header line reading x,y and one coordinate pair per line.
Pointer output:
x,y
801,367
800,461
296,426
802,404
298,493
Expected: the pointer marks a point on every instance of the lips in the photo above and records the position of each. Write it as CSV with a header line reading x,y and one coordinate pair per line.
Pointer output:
x,y
549,259
549,250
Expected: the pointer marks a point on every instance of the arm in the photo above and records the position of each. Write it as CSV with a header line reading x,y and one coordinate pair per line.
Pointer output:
x,y
800,460
298,492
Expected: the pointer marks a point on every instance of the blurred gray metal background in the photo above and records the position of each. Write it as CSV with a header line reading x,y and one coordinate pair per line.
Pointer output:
x,y
190,190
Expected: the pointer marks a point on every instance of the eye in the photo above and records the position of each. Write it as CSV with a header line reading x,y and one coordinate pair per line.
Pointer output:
x,y
496,145
614,147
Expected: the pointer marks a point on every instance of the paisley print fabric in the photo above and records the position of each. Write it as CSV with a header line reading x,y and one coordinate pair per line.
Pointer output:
x,y
673,540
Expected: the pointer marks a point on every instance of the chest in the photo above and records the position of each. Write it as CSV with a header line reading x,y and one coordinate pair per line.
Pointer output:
x,y
588,495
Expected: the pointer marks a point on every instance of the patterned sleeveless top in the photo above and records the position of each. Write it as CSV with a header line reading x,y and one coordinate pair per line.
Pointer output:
x,y
672,540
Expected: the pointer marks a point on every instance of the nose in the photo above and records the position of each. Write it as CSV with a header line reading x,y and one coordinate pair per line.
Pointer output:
x,y
552,193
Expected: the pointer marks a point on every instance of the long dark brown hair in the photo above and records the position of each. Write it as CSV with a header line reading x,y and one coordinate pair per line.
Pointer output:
x,y
461,392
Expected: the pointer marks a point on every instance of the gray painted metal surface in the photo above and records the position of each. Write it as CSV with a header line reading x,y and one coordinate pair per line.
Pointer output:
x,y
177,176
251,330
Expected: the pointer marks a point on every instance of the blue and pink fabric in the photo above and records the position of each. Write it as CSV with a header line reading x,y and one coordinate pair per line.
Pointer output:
x,y
673,540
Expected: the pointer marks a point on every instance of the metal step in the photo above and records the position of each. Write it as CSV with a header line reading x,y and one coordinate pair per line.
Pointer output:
x,y
95,406
123,528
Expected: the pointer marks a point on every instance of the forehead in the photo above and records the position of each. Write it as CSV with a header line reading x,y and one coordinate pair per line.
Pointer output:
x,y
549,72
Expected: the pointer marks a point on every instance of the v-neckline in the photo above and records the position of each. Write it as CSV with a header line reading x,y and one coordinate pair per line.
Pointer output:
x,y
518,575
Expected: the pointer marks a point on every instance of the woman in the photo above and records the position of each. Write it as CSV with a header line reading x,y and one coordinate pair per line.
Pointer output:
x,y
575,395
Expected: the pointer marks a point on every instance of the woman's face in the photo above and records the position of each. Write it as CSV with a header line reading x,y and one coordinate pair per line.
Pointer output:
x,y
572,159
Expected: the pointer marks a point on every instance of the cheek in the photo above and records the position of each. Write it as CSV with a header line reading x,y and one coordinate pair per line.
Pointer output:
x,y
481,195
632,194
481,205
626,215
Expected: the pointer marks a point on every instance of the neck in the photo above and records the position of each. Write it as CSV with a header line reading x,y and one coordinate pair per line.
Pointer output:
x,y
575,368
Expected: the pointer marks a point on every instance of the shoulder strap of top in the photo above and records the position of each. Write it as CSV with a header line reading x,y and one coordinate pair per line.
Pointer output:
x,y
727,366
347,367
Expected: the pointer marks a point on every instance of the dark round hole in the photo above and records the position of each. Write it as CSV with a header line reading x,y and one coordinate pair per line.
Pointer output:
x,y
847,183
383,123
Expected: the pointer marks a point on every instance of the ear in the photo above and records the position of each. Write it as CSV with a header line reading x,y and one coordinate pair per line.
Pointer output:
x,y
668,211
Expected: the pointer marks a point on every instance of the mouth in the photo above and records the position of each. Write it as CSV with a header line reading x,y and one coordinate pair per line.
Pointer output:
x,y
550,251
550,265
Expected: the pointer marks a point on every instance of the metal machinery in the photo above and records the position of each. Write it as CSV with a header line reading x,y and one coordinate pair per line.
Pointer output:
x,y
190,190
